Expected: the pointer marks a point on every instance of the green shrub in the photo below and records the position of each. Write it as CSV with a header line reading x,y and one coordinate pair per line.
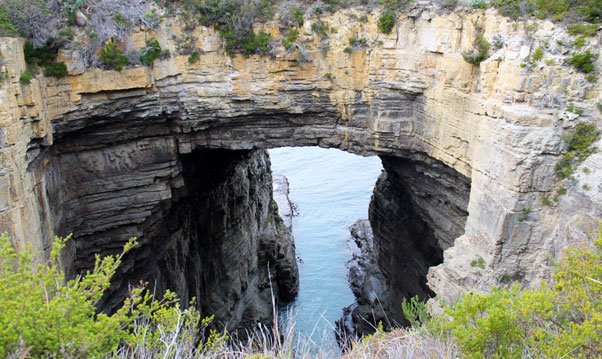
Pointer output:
x,y
289,41
589,10
38,56
550,8
150,53
510,8
559,320
51,316
234,20
561,191
498,41
69,7
395,4
414,310
546,201
479,262
56,69
251,43
319,27
26,18
6,26
580,141
481,50
478,4
358,42
538,54
584,62
26,77
386,22
66,33
585,30
195,56
44,316
579,42
112,57
296,15
592,79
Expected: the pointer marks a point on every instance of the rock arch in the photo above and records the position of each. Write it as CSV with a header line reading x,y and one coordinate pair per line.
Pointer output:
x,y
122,141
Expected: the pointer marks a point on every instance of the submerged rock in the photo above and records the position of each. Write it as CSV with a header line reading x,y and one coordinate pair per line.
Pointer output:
x,y
368,285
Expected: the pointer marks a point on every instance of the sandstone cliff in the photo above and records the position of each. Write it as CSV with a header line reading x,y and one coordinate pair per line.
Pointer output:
x,y
465,147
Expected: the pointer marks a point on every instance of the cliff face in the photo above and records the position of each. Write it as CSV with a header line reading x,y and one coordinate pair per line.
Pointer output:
x,y
104,153
206,223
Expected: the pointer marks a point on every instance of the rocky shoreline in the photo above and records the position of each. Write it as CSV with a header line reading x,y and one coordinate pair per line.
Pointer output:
x,y
368,285
281,191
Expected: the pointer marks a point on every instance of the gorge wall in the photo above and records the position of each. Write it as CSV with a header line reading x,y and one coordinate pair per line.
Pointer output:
x,y
145,152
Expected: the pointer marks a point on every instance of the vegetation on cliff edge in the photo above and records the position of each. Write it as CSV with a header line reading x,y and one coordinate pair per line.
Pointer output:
x,y
45,316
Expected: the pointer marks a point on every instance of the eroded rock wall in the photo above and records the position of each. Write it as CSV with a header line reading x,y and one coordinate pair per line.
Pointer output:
x,y
410,92
206,223
418,209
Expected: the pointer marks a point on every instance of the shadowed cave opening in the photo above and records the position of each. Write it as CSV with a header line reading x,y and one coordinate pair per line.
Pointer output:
x,y
208,227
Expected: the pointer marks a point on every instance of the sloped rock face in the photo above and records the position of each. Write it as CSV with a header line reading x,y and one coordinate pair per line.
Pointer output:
x,y
369,286
205,221
418,209
492,131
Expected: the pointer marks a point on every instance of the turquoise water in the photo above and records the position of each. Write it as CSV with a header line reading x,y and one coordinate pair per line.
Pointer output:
x,y
330,190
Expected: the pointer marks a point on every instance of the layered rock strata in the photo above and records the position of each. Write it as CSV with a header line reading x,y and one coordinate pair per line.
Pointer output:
x,y
368,285
409,97
206,224
417,210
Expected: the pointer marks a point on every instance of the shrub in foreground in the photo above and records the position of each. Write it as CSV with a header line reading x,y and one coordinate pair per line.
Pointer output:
x,y
41,311
44,316
562,319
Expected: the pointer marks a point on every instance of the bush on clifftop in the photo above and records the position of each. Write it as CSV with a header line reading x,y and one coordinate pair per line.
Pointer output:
x,y
560,319
44,316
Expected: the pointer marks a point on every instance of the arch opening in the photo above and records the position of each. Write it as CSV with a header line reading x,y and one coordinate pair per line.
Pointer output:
x,y
106,184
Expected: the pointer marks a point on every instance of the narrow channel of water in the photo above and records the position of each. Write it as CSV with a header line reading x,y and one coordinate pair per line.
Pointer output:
x,y
330,190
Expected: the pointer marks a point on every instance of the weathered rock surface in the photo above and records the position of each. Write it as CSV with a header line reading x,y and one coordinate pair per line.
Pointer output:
x,y
488,137
368,285
281,196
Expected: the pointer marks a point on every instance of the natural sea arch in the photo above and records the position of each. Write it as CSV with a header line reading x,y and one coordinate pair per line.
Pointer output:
x,y
193,185
108,155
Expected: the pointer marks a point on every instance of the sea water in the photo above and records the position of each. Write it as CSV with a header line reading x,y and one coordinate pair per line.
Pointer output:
x,y
330,189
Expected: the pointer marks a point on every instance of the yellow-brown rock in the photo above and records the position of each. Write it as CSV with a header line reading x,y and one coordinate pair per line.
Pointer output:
x,y
408,95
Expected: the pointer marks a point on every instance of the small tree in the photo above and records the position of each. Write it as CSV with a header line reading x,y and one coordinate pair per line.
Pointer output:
x,y
562,319
41,310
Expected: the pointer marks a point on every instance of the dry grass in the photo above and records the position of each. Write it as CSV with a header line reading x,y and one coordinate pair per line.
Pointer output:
x,y
262,343
404,343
